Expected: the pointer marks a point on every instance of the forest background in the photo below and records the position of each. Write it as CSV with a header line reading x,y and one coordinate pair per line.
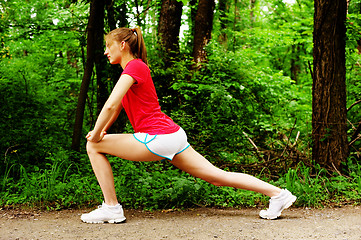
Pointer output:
x,y
244,97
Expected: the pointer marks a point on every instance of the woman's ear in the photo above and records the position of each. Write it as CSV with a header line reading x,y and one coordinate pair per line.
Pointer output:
x,y
122,45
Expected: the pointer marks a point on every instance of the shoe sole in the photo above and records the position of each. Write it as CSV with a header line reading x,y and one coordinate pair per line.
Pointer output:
x,y
288,204
121,220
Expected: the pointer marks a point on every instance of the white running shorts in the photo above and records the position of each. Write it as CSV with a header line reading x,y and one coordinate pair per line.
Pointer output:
x,y
164,145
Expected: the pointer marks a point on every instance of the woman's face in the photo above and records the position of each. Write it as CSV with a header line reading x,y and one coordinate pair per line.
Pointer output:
x,y
113,51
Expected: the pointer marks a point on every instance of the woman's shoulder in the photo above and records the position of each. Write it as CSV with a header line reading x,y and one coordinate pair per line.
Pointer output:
x,y
138,70
138,63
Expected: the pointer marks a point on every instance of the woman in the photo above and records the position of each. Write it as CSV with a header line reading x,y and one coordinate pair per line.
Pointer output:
x,y
156,136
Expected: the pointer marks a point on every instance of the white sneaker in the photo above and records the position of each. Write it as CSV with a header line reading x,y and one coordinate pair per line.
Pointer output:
x,y
277,203
105,213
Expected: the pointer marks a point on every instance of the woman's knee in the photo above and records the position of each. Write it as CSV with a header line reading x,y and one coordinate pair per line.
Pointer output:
x,y
91,147
216,183
218,179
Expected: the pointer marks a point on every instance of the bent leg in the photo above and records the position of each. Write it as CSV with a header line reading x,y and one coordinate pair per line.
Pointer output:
x,y
121,145
195,164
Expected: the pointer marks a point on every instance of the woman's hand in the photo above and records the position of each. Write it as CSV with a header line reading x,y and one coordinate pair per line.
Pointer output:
x,y
93,137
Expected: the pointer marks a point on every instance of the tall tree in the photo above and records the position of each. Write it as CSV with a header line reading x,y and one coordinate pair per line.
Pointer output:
x,y
295,62
330,146
359,40
95,25
251,14
202,29
116,15
169,27
100,62
223,19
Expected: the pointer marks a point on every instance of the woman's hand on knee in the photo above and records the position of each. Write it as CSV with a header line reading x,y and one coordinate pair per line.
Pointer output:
x,y
94,137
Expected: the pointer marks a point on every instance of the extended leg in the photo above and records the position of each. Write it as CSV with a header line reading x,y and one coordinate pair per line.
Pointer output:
x,y
195,164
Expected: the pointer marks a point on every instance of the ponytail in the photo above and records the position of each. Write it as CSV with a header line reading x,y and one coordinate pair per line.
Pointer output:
x,y
141,50
134,38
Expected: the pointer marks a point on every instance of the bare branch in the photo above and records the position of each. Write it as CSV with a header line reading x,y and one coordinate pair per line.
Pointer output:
x,y
250,140
352,105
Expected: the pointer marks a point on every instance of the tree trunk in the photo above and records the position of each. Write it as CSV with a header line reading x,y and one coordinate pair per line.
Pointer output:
x,y
169,27
330,146
111,20
223,12
168,33
359,41
94,23
251,14
191,22
295,63
202,29
100,62
114,71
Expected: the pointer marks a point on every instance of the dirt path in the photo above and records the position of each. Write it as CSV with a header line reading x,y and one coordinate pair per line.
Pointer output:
x,y
201,224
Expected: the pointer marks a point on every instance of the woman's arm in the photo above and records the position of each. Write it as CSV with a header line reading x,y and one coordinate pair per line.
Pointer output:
x,y
113,118
111,108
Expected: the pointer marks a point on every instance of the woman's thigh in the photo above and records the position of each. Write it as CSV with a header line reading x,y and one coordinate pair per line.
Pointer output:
x,y
195,164
124,146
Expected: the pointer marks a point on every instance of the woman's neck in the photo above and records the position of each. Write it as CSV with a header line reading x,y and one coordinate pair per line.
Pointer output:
x,y
125,59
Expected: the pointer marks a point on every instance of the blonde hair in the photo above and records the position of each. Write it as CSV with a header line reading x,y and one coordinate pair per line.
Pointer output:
x,y
134,38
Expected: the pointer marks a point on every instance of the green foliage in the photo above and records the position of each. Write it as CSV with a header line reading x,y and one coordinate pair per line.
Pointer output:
x,y
151,186
353,74
256,81
59,184
234,93
315,188
39,80
63,184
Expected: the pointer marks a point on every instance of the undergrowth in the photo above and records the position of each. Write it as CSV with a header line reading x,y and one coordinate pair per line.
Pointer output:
x,y
158,185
